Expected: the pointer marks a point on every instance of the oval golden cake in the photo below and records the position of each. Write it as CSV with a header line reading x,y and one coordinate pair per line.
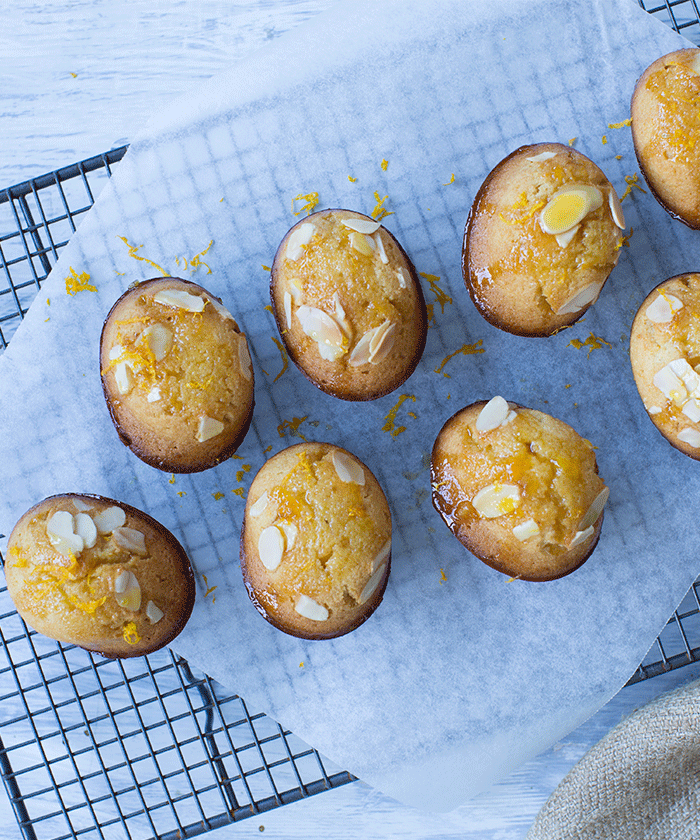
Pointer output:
x,y
543,234
348,305
518,488
176,375
100,574
665,357
316,541
665,126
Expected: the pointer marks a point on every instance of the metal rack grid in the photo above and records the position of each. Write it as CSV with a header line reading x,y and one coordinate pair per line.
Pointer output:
x,y
146,748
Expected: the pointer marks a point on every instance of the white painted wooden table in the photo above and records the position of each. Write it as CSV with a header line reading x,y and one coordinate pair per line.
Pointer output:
x,y
79,78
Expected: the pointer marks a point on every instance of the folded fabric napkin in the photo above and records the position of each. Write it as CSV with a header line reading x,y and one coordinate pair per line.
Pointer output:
x,y
640,782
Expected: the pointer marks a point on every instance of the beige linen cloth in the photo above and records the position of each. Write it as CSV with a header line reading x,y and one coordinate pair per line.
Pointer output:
x,y
640,782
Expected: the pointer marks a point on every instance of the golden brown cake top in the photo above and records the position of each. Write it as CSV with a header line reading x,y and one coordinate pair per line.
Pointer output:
x,y
319,524
543,234
176,369
665,356
99,574
521,471
348,303
665,125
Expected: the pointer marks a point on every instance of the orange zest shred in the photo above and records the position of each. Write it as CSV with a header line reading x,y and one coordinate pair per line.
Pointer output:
x,y
241,473
622,124
351,179
218,495
238,491
632,181
311,200
78,282
132,253
385,164
130,633
390,424
380,212
292,426
593,342
604,139
285,358
451,181
572,140
465,350
442,297
209,589
443,576
196,260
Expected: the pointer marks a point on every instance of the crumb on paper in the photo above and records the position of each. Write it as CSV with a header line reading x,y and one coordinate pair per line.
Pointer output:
x,y
390,424
351,179
572,140
267,268
78,282
181,493
618,157
604,139
74,75
380,212
285,358
441,296
593,342
218,495
385,164
292,427
132,253
465,350
310,199
301,664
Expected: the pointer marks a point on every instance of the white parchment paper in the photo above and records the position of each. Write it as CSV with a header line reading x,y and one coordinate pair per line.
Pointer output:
x,y
460,674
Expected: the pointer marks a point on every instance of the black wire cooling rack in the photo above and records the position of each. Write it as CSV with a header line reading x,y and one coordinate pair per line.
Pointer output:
x,y
148,748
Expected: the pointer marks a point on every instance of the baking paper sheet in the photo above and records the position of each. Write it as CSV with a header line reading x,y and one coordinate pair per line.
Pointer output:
x,y
460,674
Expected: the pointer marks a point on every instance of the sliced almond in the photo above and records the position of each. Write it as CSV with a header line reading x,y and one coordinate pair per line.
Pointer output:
x,y
124,377
127,591
569,206
590,517
360,352
324,330
694,65
542,156
653,409
371,586
584,297
616,211
670,385
690,436
81,506
244,358
154,394
109,519
380,248
662,308
159,340
401,278
496,500
153,613
60,529
311,609
691,409
362,244
271,547
258,507
116,352
382,342
180,299
361,225
86,529
130,539
526,530
581,537
348,469
209,427
382,556
492,415
564,239
288,309
298,238
221,309
290,531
